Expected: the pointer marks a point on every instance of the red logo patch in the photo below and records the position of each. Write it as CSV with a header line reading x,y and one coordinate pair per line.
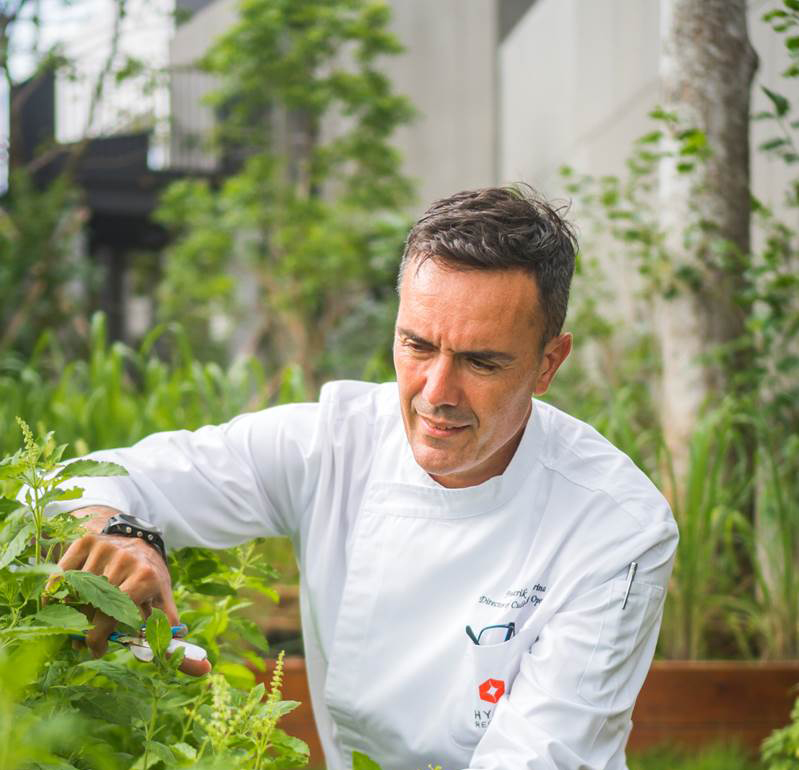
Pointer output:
x,y
492,690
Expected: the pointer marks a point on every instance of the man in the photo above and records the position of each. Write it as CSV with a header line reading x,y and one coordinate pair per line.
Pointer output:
x,y
482,576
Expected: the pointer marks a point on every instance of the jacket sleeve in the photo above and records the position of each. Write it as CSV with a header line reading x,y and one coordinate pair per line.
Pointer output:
x,y
570,704
221,485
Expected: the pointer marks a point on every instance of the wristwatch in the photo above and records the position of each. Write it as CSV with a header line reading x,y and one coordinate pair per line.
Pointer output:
x,y
132,526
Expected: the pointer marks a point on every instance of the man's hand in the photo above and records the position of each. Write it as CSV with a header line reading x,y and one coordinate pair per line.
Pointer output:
x,y
135,567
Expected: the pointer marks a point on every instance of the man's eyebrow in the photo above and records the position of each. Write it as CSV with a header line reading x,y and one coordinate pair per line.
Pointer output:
x,y
493,355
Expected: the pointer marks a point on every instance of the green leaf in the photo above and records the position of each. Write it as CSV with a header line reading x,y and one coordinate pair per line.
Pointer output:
x,y
54,495
202,568
362,762
13,466
17,545
33,632
294,750
97,591
651,138
62,616
162,751
252,634
214,589
90,468
773,144
781,104
8,506
184,751
159,632
237,675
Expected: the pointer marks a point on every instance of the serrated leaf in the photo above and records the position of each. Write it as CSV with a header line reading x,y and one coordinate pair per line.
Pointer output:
x,y
54,495
117,673
97,591
214,589
288,744
256,585
252,634
90,468
283,707
62,616
32,632
162,751
159,632
12,467
17,545
362,762
781,104
185,751
237,675
202,569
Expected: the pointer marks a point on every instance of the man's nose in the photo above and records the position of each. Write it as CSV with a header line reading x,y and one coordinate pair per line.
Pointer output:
x,y
441,384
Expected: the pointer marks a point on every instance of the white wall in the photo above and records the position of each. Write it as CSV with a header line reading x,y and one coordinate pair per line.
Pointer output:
x,y
449,72
579,77
577,80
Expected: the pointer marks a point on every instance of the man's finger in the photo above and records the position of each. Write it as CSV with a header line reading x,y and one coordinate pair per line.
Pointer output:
x,y
195,667
166,602
97,637
75,556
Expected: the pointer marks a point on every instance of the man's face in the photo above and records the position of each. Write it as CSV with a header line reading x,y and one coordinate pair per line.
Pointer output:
x,y
468,358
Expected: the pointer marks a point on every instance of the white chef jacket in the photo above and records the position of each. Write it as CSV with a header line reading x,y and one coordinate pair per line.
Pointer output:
x,y
394,567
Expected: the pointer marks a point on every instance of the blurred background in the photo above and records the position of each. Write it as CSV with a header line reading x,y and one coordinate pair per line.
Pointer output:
x,y
204,206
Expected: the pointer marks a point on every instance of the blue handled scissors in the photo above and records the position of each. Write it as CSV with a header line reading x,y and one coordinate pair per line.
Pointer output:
x,y
141,649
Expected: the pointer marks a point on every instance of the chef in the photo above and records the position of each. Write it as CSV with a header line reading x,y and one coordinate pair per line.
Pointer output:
x,y
482,575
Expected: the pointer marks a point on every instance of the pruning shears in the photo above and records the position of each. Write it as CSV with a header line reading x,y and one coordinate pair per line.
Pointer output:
x,y
141,649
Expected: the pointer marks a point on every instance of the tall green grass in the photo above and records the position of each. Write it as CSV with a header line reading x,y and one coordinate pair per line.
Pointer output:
x,y
117,394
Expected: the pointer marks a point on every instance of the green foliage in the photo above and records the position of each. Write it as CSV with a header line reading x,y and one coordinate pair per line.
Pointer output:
x,y
780,751
60,709
361,761
769,615
117,395
707,509
39,264
309,215
714,757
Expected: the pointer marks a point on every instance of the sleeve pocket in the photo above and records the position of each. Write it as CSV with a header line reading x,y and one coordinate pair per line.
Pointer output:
x,y
620,659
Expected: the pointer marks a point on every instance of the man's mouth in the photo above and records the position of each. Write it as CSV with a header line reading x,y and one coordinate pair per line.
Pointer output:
x,y
438,428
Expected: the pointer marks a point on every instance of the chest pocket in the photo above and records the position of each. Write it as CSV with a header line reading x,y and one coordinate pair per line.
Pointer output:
x,y
484,680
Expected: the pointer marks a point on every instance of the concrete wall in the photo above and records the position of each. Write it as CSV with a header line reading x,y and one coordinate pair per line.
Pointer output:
x,y
579,77
577,80
449,72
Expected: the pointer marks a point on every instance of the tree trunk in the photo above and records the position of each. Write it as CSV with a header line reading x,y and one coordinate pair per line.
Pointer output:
x,y
707,66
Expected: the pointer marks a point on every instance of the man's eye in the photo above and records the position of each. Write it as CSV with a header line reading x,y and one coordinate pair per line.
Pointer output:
x,y
482,366
416,346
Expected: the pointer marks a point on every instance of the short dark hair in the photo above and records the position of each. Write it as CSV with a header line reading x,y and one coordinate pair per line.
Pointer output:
x,y
501,228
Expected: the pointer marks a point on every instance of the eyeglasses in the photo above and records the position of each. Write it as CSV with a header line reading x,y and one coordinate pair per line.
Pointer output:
x,y
492,634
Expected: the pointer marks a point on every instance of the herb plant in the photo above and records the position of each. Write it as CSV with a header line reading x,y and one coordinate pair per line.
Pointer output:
x,y
61,709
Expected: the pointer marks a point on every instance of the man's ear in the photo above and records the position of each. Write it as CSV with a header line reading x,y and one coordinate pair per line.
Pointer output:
x,y
556,351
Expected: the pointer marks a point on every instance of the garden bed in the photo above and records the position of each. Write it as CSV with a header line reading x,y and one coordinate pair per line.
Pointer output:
x,y
683,703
